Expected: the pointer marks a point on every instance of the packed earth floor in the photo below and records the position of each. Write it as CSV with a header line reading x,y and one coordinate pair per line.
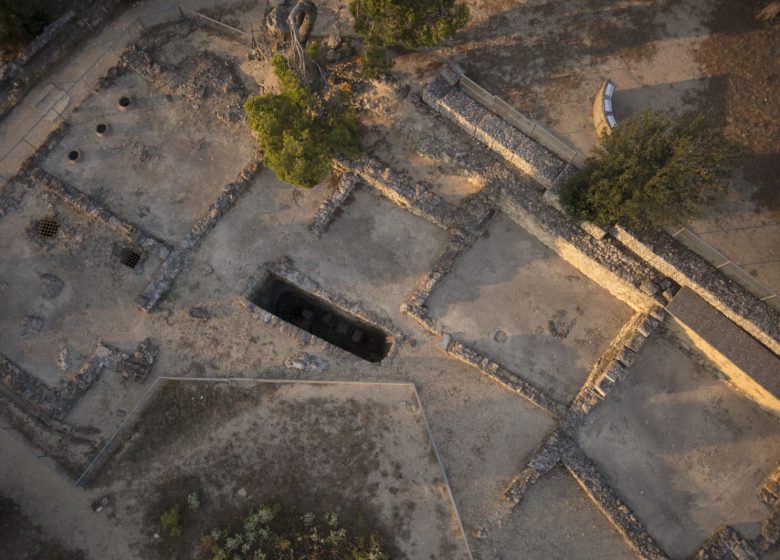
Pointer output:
x,y
159,287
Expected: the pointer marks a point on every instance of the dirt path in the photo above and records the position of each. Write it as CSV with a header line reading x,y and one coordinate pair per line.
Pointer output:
x,y
54,503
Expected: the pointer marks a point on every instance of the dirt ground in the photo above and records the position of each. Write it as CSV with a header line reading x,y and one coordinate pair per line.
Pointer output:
x,y
674,439
361,451
548,59
558,325
679,447
21,538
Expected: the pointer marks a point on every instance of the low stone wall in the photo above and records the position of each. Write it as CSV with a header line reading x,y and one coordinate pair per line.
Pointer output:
x,y
599,490
15,78
560,450
500,374
90,207
32,395
622,274
515,147
401,190
173,265
727,543
688,269
52,45
602,260
614,363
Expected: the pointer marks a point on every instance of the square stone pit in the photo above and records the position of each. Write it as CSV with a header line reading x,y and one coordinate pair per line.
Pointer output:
x,y
686,452
515,300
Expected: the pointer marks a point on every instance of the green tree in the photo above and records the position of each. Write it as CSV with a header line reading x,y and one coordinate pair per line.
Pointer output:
x,y
21,21
301,131
409,23
652,168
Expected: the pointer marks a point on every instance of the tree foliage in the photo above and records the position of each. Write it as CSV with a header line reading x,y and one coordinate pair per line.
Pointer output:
x,y
409,23
652,168
300,131
21,21
270,533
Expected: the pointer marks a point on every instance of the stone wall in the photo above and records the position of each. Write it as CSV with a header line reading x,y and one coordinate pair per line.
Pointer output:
x,y
686,268
603,261
528,156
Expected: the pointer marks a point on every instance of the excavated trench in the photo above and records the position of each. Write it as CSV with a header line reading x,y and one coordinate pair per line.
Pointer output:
x,y
322,319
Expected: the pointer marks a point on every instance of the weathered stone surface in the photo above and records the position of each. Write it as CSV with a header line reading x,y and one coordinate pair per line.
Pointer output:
x,y
51,285
608,501
686,268
727,544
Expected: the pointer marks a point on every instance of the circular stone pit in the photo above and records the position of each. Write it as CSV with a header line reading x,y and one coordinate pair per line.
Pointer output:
x,y
124,103
101,129
74,156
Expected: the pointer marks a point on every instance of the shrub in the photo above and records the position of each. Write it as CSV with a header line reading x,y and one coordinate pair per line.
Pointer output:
x,y
652,168
169,519
411,24
270,533
301,132
193,501
375,62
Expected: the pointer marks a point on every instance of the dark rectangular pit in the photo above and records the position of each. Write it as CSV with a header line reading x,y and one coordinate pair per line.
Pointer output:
x,y
322,319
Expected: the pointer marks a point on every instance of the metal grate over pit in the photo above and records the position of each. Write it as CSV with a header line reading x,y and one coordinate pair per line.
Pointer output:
x,y
47,227
130,258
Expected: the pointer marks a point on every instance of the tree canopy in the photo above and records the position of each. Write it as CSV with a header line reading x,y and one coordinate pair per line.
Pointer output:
x,y
652,168
299,131
409,23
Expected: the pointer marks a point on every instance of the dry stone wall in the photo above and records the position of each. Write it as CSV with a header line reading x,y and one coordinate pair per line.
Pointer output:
x,y
688,269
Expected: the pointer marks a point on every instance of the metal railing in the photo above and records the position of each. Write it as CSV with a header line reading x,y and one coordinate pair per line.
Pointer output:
x,y
683,234
530,128
729,268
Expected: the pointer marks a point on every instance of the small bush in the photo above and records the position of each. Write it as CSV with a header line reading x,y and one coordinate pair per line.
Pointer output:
x,y
301,132
193,501
270,533
169,519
